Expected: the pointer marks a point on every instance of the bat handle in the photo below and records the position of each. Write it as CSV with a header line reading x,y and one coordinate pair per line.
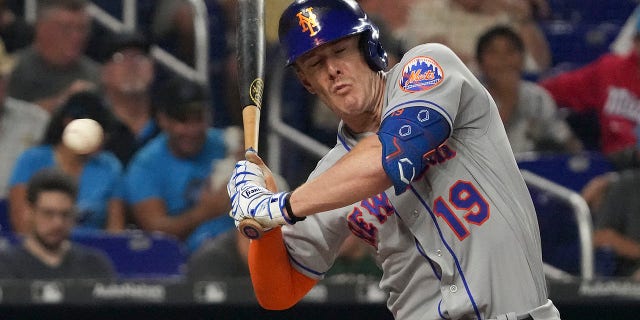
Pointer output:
x,y
251,125
250,229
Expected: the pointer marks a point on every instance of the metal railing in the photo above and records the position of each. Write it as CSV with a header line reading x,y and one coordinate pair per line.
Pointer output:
x,y
279,130
198,73
581,213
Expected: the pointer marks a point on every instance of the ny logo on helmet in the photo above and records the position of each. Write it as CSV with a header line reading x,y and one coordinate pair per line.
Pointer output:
x,y
308,21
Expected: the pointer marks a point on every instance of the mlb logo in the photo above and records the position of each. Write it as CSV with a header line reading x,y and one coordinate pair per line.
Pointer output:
x,y
47,292
210,292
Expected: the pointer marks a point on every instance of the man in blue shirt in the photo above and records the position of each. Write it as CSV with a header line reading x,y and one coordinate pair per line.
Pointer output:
x,y
167,182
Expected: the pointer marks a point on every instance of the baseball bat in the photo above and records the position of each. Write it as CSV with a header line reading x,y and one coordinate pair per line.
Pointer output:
x,y
250,56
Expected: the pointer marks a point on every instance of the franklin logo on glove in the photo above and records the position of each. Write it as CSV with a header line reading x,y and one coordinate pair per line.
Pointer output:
x,y
250,192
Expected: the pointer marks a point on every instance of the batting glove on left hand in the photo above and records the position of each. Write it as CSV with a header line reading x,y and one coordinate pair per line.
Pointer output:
x,y
251,199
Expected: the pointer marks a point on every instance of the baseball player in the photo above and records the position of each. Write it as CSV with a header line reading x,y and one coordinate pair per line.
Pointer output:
x,y
422,171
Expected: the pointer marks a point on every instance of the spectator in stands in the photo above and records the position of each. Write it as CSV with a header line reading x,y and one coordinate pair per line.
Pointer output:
x,y
459,23
100,205
609,86
226,257
172,26
127,76
167,181
46,251
174,30
527,110
54,66
22,124
222,257
14,30
120,10
355,260
614,203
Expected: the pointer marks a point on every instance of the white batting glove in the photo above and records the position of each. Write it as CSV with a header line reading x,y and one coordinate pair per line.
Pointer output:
x,y
251,199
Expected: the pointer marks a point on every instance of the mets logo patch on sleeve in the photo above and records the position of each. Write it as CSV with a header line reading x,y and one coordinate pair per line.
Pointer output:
x,y
421,74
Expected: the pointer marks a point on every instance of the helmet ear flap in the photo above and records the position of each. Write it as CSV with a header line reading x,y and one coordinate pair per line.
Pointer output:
x,y
374,53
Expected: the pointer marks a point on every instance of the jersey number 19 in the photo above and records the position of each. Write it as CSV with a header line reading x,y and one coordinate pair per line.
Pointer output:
x,y
463,196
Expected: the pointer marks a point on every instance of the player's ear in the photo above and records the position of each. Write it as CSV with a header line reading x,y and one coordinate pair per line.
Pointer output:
x,y
303,79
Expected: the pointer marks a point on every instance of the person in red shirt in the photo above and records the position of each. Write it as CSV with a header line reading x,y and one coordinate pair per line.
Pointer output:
x,y
610,86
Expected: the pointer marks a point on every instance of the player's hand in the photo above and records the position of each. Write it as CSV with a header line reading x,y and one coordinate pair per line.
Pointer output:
x,y
269,180
250,197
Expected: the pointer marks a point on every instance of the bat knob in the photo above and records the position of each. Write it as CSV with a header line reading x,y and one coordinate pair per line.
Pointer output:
x,y
251,229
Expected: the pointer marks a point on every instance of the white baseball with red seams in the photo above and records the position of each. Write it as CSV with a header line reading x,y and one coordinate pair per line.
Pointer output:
x,y
83,136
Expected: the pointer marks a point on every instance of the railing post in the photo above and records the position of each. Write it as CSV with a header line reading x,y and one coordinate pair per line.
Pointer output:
x,y
582,214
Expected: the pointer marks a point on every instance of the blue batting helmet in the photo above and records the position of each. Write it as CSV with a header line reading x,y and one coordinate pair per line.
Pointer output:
x,y
307,24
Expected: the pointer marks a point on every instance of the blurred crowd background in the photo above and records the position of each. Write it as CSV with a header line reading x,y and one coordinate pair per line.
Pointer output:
x,y
160,78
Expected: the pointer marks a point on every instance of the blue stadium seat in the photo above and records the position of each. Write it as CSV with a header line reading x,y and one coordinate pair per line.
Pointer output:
x,y
580,31
137,254
560,236
8,239
579,43
5,222
572,171
591,11
558,231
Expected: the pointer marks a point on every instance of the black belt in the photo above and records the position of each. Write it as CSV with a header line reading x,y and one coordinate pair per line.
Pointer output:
x,y
526,317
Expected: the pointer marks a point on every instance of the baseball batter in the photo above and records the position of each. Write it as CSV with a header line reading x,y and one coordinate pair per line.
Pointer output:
x,y
422,172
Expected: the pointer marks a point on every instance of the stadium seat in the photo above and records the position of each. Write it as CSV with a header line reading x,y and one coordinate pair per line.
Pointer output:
x,y
572,171
136,254
592,11
580,31
579,43
558,231
8,239
5,222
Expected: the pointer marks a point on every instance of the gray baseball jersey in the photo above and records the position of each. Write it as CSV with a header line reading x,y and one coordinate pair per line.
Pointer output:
x,y
462,241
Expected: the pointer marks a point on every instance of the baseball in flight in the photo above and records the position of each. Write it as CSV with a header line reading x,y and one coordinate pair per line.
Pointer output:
x,y
83,136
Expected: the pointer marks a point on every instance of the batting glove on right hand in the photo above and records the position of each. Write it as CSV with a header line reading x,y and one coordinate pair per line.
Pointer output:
x,y
250,199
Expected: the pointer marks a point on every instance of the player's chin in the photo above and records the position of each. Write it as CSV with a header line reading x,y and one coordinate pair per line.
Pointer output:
x,y
353,109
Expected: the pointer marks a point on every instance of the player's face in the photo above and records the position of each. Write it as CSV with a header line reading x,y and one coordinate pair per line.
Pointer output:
x,y
339,75
53,216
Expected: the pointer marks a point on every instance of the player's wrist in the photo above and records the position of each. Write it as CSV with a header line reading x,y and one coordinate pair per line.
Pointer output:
x,y
289,215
